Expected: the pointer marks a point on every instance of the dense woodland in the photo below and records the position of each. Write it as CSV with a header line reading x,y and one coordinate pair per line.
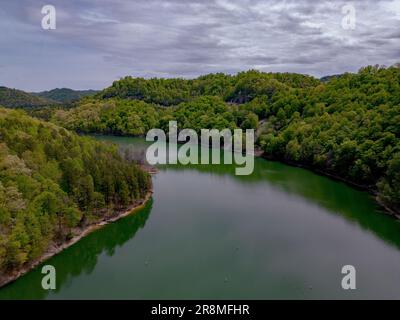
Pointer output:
x,y
64,95
346,125
13,98
36,101
52,181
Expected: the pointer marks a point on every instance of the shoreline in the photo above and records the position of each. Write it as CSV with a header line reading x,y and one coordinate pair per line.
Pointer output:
x,y
140,203
364,188
258,152
54,250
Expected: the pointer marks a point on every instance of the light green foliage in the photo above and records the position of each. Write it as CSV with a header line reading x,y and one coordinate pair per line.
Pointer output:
x,y
51,181
350,127
110,116
347,125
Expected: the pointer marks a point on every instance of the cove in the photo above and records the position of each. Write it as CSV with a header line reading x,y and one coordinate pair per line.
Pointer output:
x,y
158,151
281,232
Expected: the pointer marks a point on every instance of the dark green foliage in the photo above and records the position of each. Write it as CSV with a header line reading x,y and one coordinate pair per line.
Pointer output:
x,y
329,78
12,98
348,125
64,95
52,181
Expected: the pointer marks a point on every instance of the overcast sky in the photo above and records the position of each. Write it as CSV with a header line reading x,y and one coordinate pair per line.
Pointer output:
x,y
97,42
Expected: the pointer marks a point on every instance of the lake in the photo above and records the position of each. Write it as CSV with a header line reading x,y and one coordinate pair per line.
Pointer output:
x,y
280,233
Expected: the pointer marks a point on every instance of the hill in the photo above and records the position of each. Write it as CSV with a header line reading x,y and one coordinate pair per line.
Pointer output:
x,y
331,77
239,88
64,95
13,98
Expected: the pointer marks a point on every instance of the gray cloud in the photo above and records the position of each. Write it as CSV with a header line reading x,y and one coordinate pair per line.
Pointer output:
x,y
99,41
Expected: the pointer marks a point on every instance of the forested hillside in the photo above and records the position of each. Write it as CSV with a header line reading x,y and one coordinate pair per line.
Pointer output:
x,y
237,89
133,105
12,98
52,181
348,126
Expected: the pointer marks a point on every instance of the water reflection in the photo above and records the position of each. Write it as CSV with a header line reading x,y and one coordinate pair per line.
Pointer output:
x,y
339,198
80,258
267,253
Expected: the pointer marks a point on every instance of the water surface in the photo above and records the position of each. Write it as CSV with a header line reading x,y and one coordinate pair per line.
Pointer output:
x,y
282,232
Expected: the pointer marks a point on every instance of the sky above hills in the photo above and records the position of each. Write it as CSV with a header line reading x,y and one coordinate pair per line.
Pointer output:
x,y
97,42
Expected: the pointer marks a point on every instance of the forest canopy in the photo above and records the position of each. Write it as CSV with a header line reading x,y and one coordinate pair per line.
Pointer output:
x,y
52,181
13,98
346,125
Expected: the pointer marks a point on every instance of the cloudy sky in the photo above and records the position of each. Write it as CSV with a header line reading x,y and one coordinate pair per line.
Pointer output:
x,y
97,42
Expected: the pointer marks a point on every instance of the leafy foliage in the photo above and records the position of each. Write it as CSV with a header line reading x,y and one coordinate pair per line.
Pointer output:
x,y
52,181
12,98
346,125
64,95
114,116
349,127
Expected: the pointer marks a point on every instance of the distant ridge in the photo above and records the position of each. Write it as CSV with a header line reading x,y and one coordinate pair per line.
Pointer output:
x,y
13,98
64,95
329,78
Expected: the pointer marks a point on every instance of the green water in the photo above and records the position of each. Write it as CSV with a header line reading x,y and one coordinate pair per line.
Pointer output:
x,y
282,232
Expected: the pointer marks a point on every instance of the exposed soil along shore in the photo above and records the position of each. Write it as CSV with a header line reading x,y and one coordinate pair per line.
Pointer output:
x,y
80,233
